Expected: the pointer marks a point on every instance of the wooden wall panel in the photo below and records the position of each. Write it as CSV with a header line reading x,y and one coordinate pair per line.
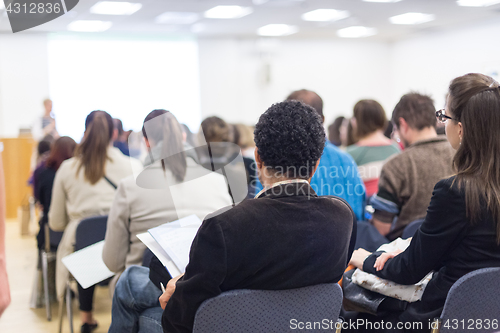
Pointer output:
x,y
16,158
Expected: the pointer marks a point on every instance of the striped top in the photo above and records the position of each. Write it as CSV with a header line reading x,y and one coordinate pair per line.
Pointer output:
x,y
370,160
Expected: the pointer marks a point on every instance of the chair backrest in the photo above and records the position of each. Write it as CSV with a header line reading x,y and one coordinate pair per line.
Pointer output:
x,y
55,237
474,296
246,310
90,231
412,228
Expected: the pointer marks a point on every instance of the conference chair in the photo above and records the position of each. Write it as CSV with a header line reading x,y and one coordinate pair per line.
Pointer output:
x,y
239,311
44,278
52,240
412,228
472,304
89,231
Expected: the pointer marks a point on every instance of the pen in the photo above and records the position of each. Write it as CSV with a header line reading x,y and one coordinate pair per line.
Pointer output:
x,y
162,287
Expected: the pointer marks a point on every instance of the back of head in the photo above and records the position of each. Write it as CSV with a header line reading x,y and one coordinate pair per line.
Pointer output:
x,y
245,134
162,128
370,117
474,101
417,110
62,149
118,125
93,150
334,131
216,130
290,139
310,98
43,147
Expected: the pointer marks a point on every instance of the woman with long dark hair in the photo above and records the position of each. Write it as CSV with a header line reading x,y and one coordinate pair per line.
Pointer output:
x,y
84,186
461,232
62,149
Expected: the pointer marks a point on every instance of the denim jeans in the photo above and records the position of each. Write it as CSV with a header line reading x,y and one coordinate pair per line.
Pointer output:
x,y
136,308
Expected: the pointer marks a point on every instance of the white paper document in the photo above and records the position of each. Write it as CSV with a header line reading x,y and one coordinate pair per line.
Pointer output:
x,y
176,239
87,266
159,252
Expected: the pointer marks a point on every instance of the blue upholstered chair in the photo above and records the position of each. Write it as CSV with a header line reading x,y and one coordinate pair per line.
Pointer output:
x,y
239,311
472,298
412,228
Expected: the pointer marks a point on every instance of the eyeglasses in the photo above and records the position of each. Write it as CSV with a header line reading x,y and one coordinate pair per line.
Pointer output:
x,y
442,117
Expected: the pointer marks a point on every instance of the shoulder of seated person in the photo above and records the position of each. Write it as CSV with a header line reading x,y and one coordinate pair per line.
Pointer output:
x,y
336,202
240,212
68,164
448,184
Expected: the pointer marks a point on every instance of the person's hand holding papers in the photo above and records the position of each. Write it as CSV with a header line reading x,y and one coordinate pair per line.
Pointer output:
x,y
358,257
169,291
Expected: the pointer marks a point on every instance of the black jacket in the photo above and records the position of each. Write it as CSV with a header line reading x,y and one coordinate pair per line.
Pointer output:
x,y
287,238
446,243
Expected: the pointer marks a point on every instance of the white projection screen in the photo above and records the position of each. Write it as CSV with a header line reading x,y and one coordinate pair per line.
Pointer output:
x,y
128,78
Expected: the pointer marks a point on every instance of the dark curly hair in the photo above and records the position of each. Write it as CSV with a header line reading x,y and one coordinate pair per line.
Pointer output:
x,y
290,138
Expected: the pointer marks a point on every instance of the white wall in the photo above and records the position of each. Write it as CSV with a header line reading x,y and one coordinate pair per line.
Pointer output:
x,y
429,62
233,81
233,72
24,81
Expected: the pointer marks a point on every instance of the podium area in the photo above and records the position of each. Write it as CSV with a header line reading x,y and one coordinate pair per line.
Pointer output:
x,y
17,153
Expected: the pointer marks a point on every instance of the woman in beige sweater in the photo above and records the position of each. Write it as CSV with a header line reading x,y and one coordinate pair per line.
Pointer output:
x,y
82,189
173,186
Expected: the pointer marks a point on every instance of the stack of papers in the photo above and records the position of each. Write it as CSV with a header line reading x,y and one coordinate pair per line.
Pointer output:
x,y
87,266
171,242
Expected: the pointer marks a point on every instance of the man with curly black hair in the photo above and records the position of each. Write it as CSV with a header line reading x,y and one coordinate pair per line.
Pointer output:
x,y
290,139
337,173
285,238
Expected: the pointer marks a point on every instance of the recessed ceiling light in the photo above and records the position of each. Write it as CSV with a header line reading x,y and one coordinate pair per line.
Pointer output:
x,y
385,1
177,18
115,8
89,26
277,30
412,18
228,12
477,3
324,15
356,32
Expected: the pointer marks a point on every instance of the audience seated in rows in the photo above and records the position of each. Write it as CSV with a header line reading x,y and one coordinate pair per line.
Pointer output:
x,y
181,188
461,231
406,181
337,173
84,186
286,238
372,148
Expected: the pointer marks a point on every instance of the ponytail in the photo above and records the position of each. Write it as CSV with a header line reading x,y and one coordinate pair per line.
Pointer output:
x,y
93,150
167,130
